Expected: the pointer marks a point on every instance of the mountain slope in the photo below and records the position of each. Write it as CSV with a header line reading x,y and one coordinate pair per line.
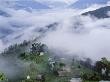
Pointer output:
x,y
5,14
99,13
55,4
82,4
33,4
25,4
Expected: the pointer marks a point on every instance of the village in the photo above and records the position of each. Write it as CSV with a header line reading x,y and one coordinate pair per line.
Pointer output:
x,y
44,67
59,70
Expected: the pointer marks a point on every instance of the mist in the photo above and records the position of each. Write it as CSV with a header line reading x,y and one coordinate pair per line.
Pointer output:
x,y
75,34
84,36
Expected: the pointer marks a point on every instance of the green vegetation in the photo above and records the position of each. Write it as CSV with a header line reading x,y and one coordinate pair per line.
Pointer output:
x,y
40,63
2,77
91,76
103,68
101,71
41,66
16,49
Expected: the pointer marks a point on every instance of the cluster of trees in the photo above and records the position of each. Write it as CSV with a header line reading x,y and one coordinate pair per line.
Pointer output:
x,y
101,71
38,59
16,49
2,77
91,76
103,68
55,65
44,64
87,63
37,48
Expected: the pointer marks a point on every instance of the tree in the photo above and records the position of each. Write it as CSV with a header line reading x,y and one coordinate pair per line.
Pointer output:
x,y
87,63
99,65
2,77
91,76
103,66
37,48
104,63
62,64
23,55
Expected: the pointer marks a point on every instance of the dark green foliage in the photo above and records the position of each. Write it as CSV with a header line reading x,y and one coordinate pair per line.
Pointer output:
x,y
16,49
96,76
61,64
2,77
37,48
91,76
34,55
87,63
79,66
23,55
103,64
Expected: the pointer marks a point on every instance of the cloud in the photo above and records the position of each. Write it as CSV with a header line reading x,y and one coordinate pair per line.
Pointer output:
x,y
1,46
108,13
93,7
108,3
23,25
74,34
84,36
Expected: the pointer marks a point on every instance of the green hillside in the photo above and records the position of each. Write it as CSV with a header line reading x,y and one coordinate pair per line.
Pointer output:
x,y
41,66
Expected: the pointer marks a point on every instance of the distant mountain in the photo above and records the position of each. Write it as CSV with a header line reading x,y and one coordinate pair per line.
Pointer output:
x,y
4,32
26,4
82,4
5,14
99,13
55,4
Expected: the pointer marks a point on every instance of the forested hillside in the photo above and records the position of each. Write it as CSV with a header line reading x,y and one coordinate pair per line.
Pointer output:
x,y
35,63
